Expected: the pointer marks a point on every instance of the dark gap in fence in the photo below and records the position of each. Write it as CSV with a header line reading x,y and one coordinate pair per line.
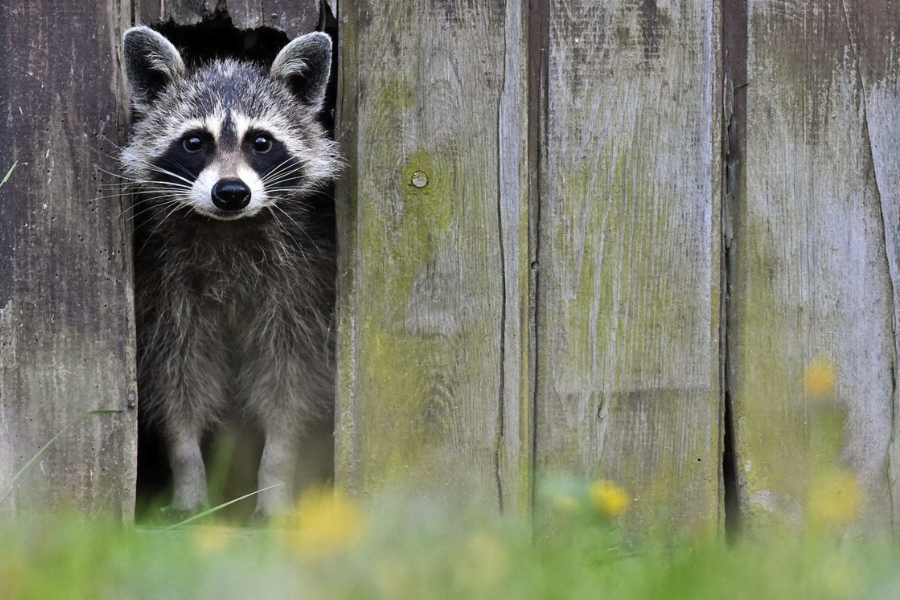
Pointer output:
x,y
217,37
538,40
232,457
734,43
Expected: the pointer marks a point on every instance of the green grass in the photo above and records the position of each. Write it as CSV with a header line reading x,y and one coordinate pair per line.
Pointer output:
x,y
396,548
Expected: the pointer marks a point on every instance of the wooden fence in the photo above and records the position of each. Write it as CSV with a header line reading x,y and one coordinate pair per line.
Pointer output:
x,y
619,239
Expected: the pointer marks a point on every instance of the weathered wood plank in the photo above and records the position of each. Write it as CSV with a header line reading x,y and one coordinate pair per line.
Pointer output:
x,y
629,266
66,340
876,43
433,347
812,287
294,17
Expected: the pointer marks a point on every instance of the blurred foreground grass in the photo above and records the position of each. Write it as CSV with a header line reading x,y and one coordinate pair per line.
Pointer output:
x,y
388,548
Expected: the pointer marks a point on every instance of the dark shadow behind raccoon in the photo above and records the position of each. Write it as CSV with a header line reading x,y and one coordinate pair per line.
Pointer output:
x,y
234,254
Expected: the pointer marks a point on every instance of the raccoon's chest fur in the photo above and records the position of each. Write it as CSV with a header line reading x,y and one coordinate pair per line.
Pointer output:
x,y
232,273
241,298
235,273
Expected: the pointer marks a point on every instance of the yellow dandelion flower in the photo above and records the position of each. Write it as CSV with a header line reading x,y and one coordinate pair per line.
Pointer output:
x,y
324,523
608,498
835,498
819,379
210,540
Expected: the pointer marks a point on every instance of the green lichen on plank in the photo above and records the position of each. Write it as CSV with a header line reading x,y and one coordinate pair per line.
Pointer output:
x,y
399,239
431,262
416,349
767,381
785,435
619,309
395,97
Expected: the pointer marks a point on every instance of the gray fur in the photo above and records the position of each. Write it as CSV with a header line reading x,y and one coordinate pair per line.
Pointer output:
x,y
235,317
151,63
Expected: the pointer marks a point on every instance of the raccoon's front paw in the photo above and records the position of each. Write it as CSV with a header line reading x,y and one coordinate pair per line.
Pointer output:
x,y
259,519
265,514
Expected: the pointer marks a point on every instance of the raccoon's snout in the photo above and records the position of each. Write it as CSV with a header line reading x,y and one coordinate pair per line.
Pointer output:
x,y
231,194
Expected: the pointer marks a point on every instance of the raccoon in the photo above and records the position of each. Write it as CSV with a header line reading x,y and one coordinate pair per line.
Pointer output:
x,y
234,252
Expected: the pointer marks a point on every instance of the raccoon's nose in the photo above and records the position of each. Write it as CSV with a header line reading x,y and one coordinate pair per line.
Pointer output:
x,y
230,194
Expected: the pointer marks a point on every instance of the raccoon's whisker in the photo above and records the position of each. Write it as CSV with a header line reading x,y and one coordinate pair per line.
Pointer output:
x,y
150,184
101,152
111,142
145,190
158,197
286,193
287,232
288,178
140,212
108,196
180,166
283,170
159,169
302,230
283,174
130,184
158,225
289,189
278,166
154,200
153,197
162,192
160,186
292,175
149,208
282,165
111,174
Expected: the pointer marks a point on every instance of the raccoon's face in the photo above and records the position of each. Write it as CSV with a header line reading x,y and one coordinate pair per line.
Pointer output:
x,y
229,139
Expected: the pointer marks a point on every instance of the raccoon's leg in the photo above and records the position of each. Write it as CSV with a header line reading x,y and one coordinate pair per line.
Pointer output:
x,y
196,376
276,470
188,471
272,387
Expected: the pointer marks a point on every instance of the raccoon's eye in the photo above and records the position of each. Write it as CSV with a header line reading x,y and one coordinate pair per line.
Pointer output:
x,y
262,144
192,143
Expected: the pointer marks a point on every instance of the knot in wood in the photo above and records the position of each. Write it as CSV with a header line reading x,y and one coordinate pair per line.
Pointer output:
x,y
419,179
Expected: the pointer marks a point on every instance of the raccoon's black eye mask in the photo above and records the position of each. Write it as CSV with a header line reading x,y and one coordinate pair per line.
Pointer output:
x,y
186,157
270,157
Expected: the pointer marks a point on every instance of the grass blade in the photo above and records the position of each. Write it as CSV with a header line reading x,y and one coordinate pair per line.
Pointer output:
x,y
45,447
9,173
217,508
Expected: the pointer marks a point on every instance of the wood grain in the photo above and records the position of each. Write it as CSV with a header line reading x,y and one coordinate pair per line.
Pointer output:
x,y
875,30
629,255
815,258
433,350
66,339
291,16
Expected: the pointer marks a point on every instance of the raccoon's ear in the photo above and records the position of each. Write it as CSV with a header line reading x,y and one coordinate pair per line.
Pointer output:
x,y
304,65
151,64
